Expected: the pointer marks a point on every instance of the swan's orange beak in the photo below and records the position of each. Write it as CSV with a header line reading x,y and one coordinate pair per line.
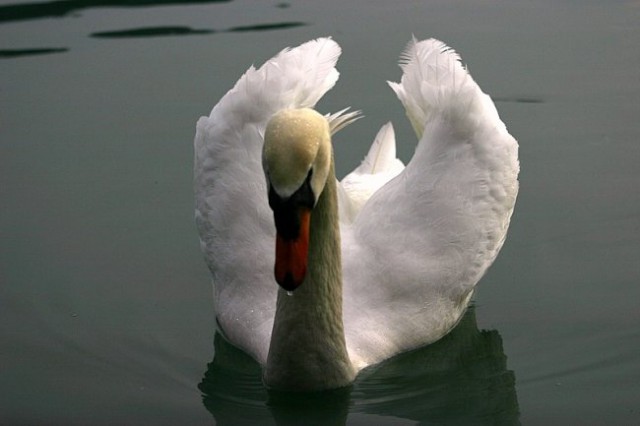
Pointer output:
x,y
291,252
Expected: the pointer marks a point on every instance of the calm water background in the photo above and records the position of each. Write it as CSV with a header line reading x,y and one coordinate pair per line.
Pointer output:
x,y
105,301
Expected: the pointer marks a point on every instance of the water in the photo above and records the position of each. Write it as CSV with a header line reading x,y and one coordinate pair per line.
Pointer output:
x,y
461,379
105,302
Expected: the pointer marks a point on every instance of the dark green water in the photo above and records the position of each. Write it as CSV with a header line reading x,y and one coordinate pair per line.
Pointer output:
x,y
105,301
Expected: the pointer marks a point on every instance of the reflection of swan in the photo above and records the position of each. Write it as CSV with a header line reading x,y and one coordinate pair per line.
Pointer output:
x,y
411,243
461,379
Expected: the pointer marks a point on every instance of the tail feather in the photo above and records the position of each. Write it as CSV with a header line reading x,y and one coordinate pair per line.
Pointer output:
x,y
382,154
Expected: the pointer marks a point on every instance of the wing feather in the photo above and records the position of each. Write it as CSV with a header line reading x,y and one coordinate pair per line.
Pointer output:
x,y
232,215
429,235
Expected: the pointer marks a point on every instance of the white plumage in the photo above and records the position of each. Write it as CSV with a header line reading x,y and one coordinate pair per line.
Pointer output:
x,y
415,239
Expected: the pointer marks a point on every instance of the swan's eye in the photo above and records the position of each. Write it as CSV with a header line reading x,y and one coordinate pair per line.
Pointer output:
x,y
287,211
304,196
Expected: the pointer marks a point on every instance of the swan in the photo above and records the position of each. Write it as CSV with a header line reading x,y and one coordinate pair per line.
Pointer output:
x,y
315,278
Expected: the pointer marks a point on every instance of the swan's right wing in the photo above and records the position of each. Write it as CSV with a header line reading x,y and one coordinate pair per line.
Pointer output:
x,y
234,221
422,241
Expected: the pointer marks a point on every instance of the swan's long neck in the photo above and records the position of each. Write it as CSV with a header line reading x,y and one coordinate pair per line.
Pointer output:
x,y
308,350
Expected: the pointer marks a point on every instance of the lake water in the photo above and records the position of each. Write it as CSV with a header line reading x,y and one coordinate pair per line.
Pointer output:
x,y
105,301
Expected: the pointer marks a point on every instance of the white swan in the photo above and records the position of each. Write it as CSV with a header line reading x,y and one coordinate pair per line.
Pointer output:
x,y
399,267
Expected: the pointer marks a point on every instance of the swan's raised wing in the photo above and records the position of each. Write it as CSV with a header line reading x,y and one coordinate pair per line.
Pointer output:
x,y
422,242
232,214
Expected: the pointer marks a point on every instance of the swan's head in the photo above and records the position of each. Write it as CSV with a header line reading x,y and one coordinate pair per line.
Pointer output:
x,y
296,160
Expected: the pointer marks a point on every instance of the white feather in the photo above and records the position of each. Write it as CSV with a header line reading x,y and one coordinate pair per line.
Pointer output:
x,y
378,167
232,214
415,241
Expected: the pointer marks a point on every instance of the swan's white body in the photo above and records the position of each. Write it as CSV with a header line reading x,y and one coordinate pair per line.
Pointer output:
x,y
415,240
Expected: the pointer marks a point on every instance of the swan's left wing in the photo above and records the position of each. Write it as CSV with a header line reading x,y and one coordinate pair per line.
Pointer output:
x,y
232,214
422,241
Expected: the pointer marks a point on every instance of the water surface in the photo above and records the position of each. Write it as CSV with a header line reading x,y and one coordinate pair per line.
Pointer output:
x,y
105,301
